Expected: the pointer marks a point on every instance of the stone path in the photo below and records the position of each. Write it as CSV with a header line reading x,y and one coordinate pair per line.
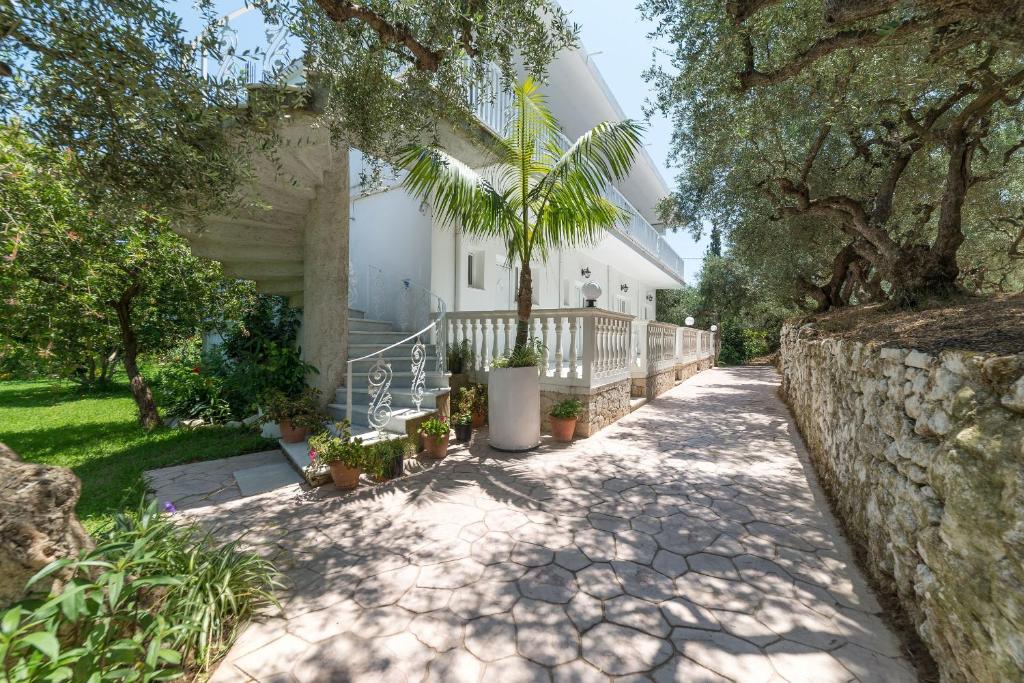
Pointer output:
x,y
687,542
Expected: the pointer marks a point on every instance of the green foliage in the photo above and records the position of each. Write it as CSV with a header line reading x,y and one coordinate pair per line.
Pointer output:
x,y
435,426
152,601
567,408
302,410
188,393
894,133
326,447
540,194
459,357
472,398
528,355
95,433
381,459
462,417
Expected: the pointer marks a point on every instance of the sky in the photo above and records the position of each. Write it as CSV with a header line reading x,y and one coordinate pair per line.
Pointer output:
x,y
615,38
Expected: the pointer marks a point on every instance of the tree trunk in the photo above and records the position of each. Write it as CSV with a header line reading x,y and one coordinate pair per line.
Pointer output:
x,y
524,304
148,415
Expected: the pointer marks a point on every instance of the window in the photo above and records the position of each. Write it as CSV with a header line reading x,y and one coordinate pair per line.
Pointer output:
x,y
622,304
572,293
475,269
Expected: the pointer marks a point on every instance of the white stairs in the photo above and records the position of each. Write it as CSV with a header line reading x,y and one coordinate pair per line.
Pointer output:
x,y
369,336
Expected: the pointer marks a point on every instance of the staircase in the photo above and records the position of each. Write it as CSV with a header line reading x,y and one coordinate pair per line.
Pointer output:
x,y
367,337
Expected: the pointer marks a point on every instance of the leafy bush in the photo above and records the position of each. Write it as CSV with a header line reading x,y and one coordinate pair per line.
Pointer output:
x,y
189,393
325,447
382,459
153,601
740,344
755,343
459,357
435,427
472,398
528,355
569,408
302,410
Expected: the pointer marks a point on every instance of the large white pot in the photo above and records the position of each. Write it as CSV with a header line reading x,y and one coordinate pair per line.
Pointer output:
x,y
513,408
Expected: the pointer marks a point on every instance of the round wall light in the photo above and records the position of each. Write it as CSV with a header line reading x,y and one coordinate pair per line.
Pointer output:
x,y
591,293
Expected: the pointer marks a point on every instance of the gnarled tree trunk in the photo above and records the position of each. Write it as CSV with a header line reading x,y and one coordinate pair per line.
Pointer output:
x,y
149,417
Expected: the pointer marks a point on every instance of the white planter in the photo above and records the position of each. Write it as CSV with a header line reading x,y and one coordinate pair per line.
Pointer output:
x,y
513,408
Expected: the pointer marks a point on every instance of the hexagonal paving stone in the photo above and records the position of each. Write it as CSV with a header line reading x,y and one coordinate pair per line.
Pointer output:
x,y
724,654
599,580
635,547
531,555
682,670
618,650
455,666
504,571
572,559
549,583
643,582
421,600
516,670
636,613
450,574
382,621
712,565
385,588
711,591
669,564
504,519
440,630
491,638
578,672
598,545
544,633
546,535
606,522
645,523
796,662
339,657
585,611
682,612
483,598
493,547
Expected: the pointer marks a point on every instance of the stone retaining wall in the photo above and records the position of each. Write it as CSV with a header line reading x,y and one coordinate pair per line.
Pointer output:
x,y
923,457
601,406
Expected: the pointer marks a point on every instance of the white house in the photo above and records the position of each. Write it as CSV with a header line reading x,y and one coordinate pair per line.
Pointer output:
x,y
395,271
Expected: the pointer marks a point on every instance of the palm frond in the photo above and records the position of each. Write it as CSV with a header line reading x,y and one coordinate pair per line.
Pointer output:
x,y
602,155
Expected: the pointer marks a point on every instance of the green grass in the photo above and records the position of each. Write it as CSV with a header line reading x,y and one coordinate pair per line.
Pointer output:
x,y
97,434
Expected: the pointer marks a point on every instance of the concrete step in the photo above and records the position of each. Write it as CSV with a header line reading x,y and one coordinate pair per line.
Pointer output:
x,y
376,338
399,380
368,325
396,424
400,363
401,397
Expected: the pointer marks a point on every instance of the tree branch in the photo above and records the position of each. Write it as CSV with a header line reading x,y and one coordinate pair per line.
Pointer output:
x,y
424,58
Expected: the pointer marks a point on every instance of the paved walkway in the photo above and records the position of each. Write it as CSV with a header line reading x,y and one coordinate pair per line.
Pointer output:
x,y
687,542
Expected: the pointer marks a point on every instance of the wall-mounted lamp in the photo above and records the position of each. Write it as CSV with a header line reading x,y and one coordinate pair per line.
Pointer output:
x,y
650,297
585,272
623,288
689,321
714,328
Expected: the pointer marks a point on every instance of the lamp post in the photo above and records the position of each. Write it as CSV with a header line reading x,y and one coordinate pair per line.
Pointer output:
x,y
591,293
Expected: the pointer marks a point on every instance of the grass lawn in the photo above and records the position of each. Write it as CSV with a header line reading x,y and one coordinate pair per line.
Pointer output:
x,y
98,436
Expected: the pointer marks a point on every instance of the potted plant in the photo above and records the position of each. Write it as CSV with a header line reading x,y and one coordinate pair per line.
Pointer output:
x,y
543,193
383,459
458,362
563,418
463,424
295,415
513,397
342,453
472,399
435,431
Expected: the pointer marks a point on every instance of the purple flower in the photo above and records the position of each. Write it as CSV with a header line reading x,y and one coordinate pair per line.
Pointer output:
x,y
169,508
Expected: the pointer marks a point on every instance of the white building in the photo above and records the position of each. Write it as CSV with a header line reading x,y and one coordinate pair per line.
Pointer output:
x,y
400,271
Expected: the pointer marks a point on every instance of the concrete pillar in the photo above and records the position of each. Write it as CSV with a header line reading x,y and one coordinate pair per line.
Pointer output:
x,y
325,279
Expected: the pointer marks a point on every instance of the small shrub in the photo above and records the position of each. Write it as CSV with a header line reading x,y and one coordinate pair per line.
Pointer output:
x,y
190,393
570,408
462,418
459,357
435,427
472,398
528,355
382,459
325,447
153,601
302,410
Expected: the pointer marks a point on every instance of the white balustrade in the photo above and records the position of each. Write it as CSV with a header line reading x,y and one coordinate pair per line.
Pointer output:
x,y
587,347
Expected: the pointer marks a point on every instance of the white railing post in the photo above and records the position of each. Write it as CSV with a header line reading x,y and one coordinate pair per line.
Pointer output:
x,y
589,349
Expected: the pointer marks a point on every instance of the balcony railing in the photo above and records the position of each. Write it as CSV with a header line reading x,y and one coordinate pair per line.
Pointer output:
x,y
584,347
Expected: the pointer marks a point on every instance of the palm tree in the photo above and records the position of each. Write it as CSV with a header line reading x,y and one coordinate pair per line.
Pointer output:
x,y
538,195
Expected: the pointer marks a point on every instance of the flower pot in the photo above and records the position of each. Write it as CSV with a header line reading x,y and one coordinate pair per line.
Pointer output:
x,y
344,477
513,408
290,433
436,447
479,418
563,428
463,432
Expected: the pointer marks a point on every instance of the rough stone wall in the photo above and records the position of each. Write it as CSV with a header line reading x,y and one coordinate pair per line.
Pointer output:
x,y
923,456
661,382
688,370
638,387
602,407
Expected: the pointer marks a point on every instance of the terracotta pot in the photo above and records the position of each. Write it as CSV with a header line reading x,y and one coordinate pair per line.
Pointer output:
x,y
563,428
290,433
463,432
436,447
344,477
479,418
